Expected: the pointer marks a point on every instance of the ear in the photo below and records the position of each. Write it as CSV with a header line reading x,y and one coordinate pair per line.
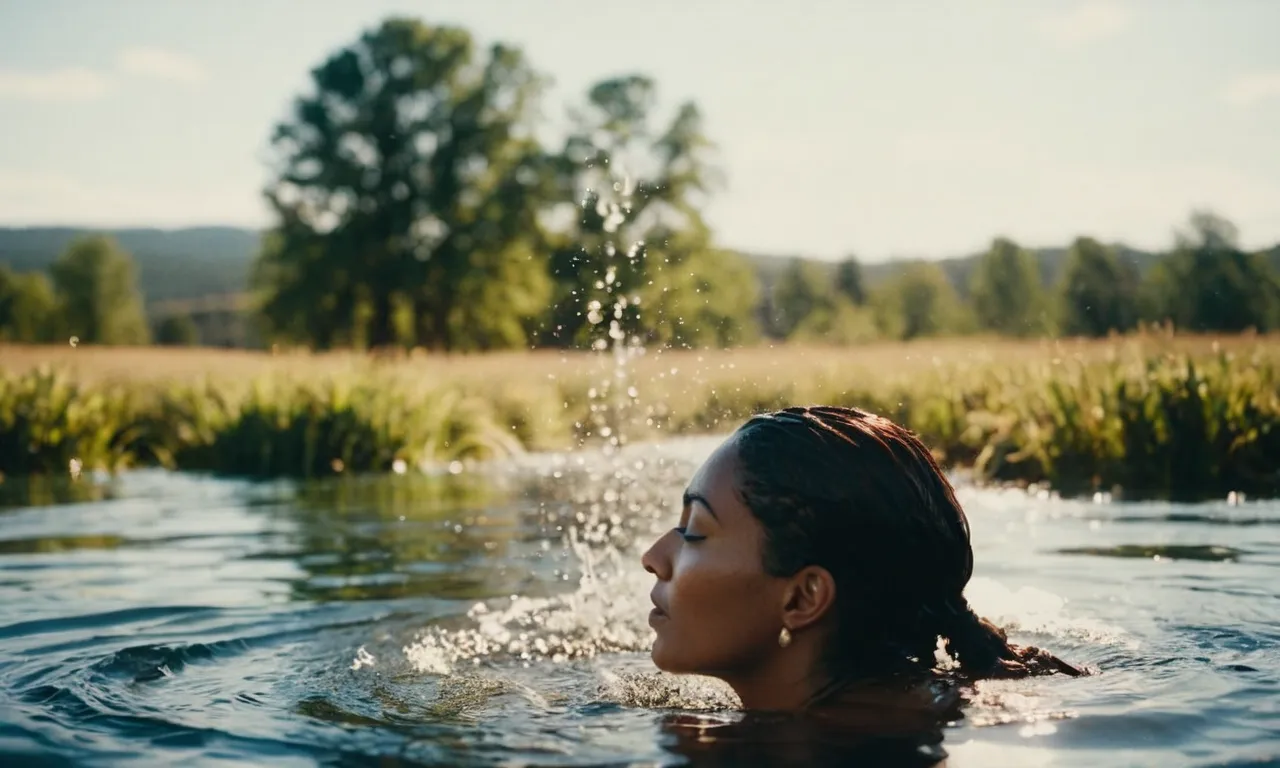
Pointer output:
x,y
808,596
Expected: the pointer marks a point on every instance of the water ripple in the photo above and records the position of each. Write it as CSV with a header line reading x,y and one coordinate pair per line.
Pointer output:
x,y
499,618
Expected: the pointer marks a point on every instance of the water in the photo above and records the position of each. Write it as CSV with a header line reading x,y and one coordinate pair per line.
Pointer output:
x,y
164,618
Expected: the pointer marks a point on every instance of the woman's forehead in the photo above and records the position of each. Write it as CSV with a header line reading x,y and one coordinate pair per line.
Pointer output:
x,y
716,480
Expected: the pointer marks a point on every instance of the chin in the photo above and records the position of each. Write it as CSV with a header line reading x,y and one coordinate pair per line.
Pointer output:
x,y
658,657
663,660
672,663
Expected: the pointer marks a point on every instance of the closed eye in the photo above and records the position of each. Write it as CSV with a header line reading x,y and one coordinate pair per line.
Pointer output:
x,y
689,537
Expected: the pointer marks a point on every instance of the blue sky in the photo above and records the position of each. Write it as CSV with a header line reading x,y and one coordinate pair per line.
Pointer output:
x,y
911,128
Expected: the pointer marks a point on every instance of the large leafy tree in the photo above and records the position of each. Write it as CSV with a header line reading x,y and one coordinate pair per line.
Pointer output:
x,y
1006,292
1098,292
807,306
849,280
1209,284
635,257
920,301
405,196
97,293
804,289
28,311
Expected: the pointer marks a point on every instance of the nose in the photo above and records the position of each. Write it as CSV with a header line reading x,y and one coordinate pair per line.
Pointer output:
x,y
656,561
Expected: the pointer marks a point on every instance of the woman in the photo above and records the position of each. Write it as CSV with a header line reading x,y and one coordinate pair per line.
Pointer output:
x,y
819,557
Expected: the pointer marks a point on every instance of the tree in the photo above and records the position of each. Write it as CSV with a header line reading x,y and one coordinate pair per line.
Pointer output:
x,y
28,311
177,331
1208,284
804,289
636,259
1006,292
97,294
302,295
849,280
842,323
1098,293
708,302
807,306
920,301
406,189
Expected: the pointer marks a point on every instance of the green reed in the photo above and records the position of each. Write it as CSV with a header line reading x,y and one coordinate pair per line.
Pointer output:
x,y
1146,423
268,427
50,424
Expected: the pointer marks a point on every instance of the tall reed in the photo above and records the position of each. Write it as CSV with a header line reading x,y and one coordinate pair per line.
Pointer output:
x,y
1145,419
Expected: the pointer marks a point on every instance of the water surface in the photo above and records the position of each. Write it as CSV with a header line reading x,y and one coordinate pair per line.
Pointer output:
x,y
498,617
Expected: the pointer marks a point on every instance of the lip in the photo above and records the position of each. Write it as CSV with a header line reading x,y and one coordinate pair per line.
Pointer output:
x,y
657,613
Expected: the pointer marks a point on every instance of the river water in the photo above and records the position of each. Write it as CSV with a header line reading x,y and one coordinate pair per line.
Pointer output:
x,y
498,616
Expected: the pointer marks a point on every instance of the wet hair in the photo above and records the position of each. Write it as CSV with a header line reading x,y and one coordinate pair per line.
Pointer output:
x,y
862,497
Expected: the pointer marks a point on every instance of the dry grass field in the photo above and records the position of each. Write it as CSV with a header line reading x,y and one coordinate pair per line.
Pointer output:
x,y
749,365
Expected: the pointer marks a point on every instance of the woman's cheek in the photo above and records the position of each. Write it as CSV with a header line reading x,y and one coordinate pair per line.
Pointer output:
x,y
687,575
687,561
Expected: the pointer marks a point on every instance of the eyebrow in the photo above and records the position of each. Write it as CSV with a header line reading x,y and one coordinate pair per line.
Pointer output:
x,y
690,498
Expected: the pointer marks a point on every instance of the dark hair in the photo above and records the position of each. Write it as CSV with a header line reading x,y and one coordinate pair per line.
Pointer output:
x,y
862,497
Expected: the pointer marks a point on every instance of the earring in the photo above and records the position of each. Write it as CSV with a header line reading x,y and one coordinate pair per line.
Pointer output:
x,y
784,637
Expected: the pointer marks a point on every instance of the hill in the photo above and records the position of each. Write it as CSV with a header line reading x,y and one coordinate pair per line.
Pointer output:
x,y
172,264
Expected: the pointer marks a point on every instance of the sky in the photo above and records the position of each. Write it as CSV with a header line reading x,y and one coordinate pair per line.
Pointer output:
x,y
915,128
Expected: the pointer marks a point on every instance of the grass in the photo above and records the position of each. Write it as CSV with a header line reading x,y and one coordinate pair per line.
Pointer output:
x,y
1149,415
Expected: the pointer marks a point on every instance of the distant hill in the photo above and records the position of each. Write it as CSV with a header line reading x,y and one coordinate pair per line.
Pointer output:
x,y
172,264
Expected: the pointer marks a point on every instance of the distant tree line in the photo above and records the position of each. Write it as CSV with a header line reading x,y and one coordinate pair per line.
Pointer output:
x,y
415,205
1206,283
89,294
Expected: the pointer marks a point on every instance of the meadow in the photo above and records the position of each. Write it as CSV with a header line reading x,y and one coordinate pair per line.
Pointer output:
x,y
1148,415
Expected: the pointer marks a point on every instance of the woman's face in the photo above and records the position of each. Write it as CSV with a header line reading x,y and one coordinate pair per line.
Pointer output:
x,y
717,611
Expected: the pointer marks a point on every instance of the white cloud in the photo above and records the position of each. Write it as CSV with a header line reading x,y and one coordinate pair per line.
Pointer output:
x,y
1247,90
69,84
33,197
1087,22
161,64
73,84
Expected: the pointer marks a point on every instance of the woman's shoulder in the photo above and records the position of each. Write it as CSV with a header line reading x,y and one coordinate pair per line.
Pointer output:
x,y
905,704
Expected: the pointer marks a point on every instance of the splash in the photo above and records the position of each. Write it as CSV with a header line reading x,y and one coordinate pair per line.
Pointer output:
x,y
658,690
616,396
1036,612
602,615
363,659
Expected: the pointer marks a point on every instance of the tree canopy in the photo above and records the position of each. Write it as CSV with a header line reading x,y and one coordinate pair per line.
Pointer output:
x,y
97,295
405,196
